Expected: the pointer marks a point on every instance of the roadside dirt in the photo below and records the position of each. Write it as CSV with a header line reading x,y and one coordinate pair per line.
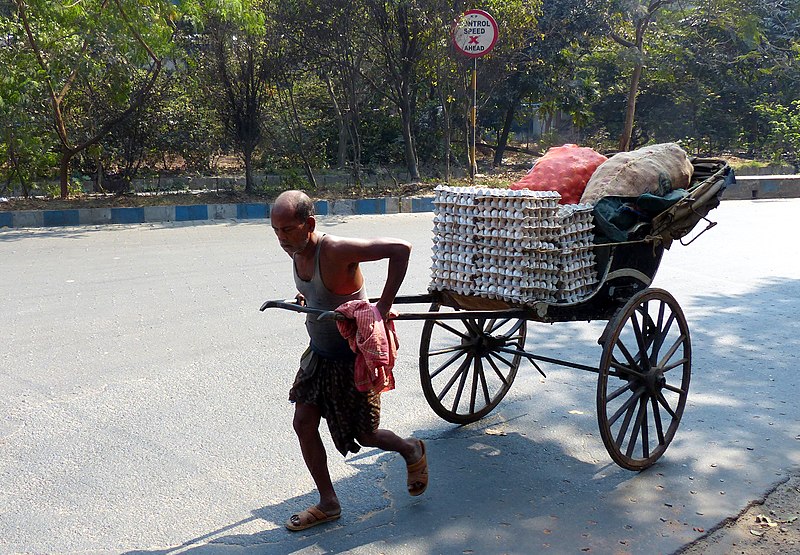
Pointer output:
x,y
768,526
186,198
512,170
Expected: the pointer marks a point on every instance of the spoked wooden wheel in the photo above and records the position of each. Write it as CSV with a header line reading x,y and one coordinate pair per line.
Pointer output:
x,y
644,378
468,365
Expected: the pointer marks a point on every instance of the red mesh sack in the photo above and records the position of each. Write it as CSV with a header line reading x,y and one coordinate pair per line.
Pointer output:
x,y
565,169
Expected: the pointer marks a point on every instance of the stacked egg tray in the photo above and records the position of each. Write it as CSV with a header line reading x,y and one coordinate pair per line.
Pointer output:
x,y
516,246
577,271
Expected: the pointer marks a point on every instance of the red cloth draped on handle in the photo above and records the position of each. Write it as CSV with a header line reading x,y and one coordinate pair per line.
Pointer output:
x,y
374,340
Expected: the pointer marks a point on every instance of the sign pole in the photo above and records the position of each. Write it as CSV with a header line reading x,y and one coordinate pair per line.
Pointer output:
x,y
474,35
473,167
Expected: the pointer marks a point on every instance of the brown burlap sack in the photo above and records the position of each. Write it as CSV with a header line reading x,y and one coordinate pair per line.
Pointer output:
x,y
652,169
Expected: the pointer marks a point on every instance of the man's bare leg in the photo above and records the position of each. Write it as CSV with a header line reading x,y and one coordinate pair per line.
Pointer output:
x,y
410,448
306,426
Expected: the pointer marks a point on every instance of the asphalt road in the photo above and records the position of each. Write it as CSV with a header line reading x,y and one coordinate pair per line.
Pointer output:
x,y
144,403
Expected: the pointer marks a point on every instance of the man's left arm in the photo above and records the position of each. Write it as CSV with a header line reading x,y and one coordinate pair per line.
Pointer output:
x,y
396,251
398,264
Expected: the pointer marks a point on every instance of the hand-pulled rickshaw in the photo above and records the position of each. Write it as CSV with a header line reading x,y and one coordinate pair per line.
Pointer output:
x,y
471,347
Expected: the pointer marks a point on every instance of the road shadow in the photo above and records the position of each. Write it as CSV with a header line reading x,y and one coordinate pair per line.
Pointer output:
x,y
472,470
18,234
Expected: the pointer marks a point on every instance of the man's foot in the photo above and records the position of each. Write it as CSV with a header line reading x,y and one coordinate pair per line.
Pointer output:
x,y
418,473
312,516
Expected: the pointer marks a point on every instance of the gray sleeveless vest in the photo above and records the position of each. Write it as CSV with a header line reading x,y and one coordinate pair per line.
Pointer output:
x,y
326,340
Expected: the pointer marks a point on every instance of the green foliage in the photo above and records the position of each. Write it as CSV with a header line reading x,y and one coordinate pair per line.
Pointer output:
x,y
25,152
784,134
51,189
284,83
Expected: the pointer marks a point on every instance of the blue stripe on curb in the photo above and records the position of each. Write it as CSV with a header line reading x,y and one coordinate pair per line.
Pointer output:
x,y
127,215
424,204
321,208
60,217
201,212
251,210
191,212
769,186
371,206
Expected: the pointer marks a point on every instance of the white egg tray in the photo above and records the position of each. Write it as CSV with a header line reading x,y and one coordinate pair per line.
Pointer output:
x,y
519,246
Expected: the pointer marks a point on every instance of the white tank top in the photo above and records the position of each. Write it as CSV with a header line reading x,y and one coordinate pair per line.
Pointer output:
x,y
325,337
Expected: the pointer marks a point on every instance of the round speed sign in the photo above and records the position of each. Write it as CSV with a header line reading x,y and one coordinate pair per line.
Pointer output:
x,y
475,33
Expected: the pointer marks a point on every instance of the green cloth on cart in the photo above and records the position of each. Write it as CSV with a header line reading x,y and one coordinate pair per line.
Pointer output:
x,y
615,217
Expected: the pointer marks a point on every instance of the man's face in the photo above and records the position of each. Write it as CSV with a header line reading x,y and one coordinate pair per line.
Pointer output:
x,y
293,235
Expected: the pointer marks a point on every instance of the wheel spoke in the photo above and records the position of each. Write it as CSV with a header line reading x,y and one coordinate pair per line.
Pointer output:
x,y
461,370
637,425
450,328
501,359
631,402
497,371
446,350
485,385
647,329
637,331
678,343
664,403
626,369
675,364
674,389
662,335
512,339
619,392
477,376
645,430
657,420
513,329
631,361
446,364
460,391
496,326
629,407
475,327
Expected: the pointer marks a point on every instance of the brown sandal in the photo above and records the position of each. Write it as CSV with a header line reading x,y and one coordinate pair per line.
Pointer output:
x,y
310,517
418,474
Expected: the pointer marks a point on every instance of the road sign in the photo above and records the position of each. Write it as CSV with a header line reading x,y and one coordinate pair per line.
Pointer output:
x,y
475,33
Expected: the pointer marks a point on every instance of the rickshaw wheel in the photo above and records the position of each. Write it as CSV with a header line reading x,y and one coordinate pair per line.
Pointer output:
x,y
644,378
467,365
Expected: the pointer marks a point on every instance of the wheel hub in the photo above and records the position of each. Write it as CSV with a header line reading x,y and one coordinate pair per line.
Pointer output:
x,y
655,380
482,343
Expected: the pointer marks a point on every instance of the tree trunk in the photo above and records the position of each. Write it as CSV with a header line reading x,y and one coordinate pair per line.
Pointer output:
x,y
355,143
341,151
310,174
98,181
248,170
66,158
502,139
447,138
408,140
630,111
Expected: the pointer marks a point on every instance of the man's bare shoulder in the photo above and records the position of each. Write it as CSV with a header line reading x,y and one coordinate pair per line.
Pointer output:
x,y
353,249
339,242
